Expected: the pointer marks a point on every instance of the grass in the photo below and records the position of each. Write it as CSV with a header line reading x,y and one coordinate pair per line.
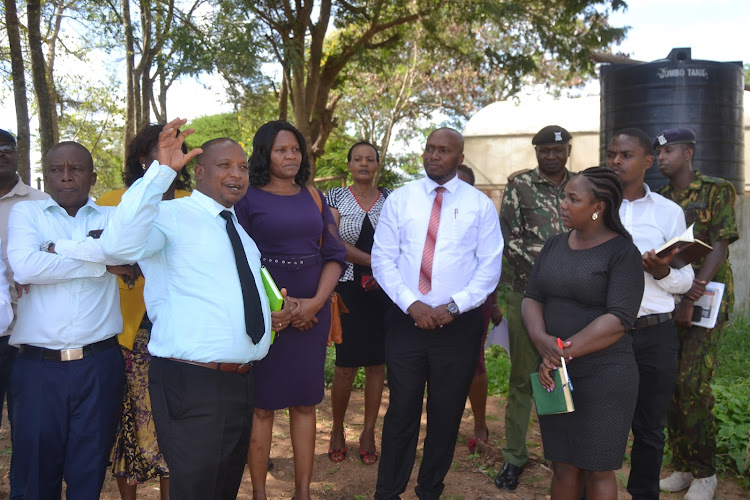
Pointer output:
x,y
732,392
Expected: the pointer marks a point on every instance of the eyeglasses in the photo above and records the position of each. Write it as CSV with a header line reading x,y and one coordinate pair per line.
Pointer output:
x,y
7,148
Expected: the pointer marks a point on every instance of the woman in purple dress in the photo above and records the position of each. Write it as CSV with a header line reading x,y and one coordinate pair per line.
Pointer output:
x,y
301,247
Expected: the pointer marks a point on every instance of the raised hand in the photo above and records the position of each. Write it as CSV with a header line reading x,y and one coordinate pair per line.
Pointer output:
x,y
169,148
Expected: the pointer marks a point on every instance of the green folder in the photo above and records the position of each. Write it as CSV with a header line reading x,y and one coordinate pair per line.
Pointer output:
x,y
274,295
560,400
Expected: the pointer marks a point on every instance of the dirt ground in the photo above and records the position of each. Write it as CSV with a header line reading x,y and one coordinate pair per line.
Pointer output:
x,y
470,477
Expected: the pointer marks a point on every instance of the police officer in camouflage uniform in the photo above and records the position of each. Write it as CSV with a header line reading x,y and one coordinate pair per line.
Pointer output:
x,y
529,215
708,202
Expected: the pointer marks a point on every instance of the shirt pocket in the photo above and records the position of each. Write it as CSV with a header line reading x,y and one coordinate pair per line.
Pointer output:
x,y
462,225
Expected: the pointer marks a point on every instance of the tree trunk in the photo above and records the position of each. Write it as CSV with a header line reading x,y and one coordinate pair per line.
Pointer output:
x,y
44,101
132,96
19,90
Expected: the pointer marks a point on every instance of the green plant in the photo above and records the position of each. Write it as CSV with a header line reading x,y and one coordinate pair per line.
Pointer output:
x,y
732,409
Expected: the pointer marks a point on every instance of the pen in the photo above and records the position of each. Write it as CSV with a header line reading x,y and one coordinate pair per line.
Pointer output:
x,y
455,214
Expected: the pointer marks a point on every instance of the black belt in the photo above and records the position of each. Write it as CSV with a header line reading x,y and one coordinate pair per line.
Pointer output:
x,y
651,320
290,262
32,351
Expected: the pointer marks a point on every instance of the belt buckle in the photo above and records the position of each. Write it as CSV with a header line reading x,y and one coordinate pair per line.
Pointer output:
x,y
71,354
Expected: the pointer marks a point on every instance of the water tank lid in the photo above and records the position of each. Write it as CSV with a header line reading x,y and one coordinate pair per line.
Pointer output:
x,y
680,54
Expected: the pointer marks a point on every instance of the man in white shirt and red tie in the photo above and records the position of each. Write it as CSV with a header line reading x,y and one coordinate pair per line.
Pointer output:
x,y
437,254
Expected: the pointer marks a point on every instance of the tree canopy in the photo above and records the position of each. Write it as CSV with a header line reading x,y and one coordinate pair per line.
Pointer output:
x,y
337,69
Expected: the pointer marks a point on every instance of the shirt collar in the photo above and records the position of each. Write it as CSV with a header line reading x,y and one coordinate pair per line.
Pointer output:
x,y
210,205
90,205
20,189
540,177
450,186
650,195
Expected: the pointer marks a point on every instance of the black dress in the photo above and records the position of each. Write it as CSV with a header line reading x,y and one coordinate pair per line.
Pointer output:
x,y
363,329
576,287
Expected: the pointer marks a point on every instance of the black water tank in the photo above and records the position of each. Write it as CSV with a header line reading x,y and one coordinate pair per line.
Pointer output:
x,y
678,91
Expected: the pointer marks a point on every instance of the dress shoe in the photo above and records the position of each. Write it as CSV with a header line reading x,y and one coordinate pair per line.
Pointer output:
x,y
507,478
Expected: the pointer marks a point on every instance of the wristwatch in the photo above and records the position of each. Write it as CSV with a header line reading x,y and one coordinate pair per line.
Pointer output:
x,y
452,308
45,246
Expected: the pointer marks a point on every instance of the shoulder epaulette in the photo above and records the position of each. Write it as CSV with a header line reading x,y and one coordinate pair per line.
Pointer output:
x,y
519,172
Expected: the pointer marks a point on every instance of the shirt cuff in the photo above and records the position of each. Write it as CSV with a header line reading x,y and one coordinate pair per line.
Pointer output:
x,y
463,301
406,299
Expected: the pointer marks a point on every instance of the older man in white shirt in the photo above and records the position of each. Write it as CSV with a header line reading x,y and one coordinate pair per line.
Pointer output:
x,y
437,254
211,316
69,374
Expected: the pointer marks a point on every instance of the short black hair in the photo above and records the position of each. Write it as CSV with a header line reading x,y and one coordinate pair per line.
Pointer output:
x,y
206,146
468,171
363,143
643,139
64,144
260,159
140,145
7,136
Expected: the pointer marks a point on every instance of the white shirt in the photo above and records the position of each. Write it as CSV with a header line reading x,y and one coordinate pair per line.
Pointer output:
x,y
20,192
192,292
6,309
468,250
652,221
71,303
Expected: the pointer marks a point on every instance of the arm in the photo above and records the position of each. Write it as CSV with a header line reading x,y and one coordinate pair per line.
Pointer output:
x,y
332,250
683,312
489,253
34,266
722,232
6,310
676,281
127,237
385,252
512,223
303,315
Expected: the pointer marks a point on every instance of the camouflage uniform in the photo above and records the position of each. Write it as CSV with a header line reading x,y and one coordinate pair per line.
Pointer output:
x,y
708,202
529,215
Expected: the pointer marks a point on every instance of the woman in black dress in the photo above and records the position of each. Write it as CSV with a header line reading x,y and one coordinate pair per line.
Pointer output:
x,y
585,289
356,209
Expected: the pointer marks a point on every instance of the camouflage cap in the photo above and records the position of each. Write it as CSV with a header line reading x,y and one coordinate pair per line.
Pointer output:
x,y
551,134
674,136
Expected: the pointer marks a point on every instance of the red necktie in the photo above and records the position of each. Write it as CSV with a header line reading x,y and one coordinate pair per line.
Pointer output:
x,y
425,271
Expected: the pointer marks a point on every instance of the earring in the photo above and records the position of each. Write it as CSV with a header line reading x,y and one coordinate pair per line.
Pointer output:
x,y
594,216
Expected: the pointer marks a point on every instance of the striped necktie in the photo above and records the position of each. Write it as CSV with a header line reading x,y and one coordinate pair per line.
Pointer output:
x,y
425,271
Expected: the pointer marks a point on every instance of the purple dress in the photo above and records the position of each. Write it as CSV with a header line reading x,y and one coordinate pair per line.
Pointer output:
x,y
287,230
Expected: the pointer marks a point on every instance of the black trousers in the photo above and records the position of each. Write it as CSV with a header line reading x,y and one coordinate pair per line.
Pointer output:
x,y
444,359
202,420
655,349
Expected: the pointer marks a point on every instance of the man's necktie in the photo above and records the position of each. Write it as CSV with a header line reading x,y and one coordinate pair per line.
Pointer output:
x,y
253,313
425,271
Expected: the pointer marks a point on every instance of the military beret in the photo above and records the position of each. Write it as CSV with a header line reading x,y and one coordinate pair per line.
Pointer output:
x,y
551,134
674,136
